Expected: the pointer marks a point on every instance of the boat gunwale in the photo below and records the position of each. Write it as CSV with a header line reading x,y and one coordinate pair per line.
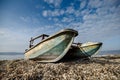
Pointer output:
x,y
87,45
60,32
91,45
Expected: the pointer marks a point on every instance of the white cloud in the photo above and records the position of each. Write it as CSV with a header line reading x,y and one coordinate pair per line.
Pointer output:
x,y
83,4
53,13
45,13
95,3
65,19
17,40
96,26
102,11
29,19
77,13
56,3
2,33
90,17
58,25
70,9
14,40
62,12
85,12
109,3
25,19
100,26
55,19
49,18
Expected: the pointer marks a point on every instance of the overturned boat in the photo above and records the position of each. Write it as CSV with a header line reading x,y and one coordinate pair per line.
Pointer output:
x,y
82,50
53,48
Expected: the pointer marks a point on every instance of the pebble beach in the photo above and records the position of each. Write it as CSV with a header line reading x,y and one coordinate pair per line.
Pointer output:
x,y
95,68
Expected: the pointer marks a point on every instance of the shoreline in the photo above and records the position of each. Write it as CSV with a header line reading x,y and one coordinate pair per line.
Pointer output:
x,y
102,68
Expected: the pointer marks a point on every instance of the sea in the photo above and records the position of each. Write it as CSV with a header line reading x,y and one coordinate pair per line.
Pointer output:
x,y
11,55
20,55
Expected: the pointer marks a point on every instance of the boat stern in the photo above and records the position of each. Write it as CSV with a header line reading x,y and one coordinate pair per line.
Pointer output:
x,y
90,48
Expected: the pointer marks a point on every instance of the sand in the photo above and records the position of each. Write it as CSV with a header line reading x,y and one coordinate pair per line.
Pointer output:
x,y
95,68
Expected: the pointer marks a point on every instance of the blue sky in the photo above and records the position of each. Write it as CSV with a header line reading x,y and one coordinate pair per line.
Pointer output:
x,y
95,20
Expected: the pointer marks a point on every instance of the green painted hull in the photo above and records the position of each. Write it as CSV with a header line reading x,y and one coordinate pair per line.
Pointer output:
x,y
53,48
84,51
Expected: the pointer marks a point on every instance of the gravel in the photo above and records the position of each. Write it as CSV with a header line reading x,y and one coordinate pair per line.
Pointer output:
x,y
95,68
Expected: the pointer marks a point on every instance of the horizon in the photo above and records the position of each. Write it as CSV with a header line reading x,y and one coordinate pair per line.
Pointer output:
x,y
99,51
95,21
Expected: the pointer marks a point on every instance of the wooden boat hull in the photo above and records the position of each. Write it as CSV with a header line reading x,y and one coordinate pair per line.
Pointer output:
x,y
53,48
84,50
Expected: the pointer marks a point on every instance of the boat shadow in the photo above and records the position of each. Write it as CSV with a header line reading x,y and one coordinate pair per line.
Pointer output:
x,y
89,60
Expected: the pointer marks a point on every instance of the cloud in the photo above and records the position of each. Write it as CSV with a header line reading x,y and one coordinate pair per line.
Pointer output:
x,y
105,19
83,4
95,20
62,12
17,40
30,19
25,19
2,33
95,3
66,19
56,12
14,40
85,12
70,10
55,19
90,17
56,3
98,26
53,13
45,13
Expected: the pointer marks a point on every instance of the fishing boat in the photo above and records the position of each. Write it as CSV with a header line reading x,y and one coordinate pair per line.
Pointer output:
x,y
53,48
82,50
